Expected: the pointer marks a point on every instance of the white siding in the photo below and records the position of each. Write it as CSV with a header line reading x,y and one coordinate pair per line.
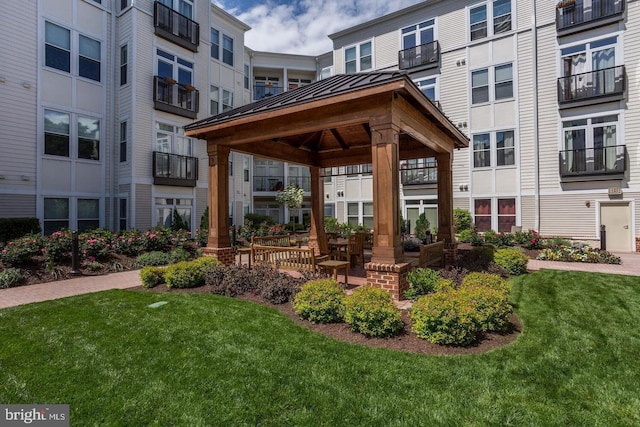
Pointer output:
x,y
386,50
17,205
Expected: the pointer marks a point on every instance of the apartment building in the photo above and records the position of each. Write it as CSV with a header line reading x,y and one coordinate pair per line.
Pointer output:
x,y
548,95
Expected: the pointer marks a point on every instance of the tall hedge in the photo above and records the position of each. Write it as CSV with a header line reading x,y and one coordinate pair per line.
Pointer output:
x,y
13,228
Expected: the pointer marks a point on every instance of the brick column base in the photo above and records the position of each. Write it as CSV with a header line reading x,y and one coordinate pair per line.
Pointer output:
x,y
313,244
451,254
226,256
637,244
388,277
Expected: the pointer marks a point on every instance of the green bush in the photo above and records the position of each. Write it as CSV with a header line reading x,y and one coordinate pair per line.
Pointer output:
x,y
14,228
179,254
512,260
444,285
11,277
95,244
579,254
57,246
152,258
421,226
152,276
188,274
491,306
259,219
320,301
461,220
371,312
422,281
20,251
487,280
467,235
445,318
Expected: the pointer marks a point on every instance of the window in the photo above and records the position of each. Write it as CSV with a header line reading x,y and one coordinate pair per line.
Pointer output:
x,y
165,208
124,4
428,87
367,169
246,76
124,59
56,214
353,213
215,44
502,83
326,72
479,86
227,50
358,58
227,100
88,214
352,170
419,34
479,17
214,100
506,215
591,144
327,174
122,214
367,214
296,83
56,133
171,139
175,68
481,150
593,65
482,214
89,59
57,47
88,138
123,141
504,143
245,169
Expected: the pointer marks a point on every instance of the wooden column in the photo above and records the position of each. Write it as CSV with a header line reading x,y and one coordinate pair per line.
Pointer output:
x,y
317,209
445,198
219,243
387,246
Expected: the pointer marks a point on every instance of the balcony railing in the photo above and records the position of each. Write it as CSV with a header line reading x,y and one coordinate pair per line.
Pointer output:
x,y
593,161
176,27
303,182
262,91
174,169
606,83
580,14
419,176
268,183
175,98
427,54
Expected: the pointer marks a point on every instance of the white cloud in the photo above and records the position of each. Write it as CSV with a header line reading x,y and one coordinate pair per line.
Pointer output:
x,y
303,26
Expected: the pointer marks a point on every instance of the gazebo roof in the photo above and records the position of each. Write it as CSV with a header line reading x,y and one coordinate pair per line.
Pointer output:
x,y
329,122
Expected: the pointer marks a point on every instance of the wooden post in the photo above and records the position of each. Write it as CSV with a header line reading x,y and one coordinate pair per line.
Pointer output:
x,y
317,209
445,198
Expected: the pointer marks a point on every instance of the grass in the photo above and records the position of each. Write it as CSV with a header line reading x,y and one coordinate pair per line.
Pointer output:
x,y
208,360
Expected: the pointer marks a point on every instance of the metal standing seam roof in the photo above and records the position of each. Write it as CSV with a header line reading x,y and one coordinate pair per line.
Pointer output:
x,y
338,84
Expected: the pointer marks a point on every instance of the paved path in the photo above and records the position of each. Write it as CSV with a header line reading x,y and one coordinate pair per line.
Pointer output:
x,y
130,279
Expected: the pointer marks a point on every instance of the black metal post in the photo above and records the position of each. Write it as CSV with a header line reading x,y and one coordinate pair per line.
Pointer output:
x,y
75,250
603,237
233,235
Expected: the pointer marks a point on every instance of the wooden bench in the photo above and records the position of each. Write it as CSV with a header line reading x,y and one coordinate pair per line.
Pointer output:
x,y
284,257
431,255
282,240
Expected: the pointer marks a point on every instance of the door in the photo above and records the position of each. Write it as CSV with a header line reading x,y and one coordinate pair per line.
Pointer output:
x,y
616,217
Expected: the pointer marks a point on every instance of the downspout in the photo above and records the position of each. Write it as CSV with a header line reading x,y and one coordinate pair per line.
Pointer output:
x,y
114,96
536,118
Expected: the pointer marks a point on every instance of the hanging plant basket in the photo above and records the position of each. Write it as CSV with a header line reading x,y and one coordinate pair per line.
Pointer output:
x,y
169,80
188,87
565,3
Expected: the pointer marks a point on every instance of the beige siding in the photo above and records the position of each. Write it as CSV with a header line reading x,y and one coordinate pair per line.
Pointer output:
x,y
143,207
567,215
17,206
528,212
202,201
461,203
545,11
522,11
526,112
632,114
386,50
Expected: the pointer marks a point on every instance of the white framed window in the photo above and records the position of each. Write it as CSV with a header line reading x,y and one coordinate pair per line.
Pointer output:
x,y
246,76
89,58
88,138
266,86
57,52
359,57
227,100
353,213
492,84
123,141
429,87
56,133
165,207
590,67
56,214
57,47
495,214
171,139
173,67
214,100
360,213
502,143
326,72
490,18
227,50
124,61
88,214
59,134
123,214
592,145
215,43
296,83
82,214
184,7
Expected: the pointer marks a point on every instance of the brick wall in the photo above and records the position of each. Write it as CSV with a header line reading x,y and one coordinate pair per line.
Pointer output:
x,y
388,277
226,256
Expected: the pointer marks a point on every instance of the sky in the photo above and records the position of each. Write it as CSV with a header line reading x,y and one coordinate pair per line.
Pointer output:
x,y
302,26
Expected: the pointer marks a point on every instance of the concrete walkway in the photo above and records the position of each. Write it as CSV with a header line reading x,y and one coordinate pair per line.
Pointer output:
x,y
130,279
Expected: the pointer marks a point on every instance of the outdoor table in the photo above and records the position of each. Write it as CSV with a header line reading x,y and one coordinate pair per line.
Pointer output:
x,y
334,266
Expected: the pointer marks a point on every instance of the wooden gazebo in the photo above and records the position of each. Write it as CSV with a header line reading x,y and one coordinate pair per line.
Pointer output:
x,y
379,118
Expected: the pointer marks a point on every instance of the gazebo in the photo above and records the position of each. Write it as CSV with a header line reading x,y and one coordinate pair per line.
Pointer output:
x,y
380,118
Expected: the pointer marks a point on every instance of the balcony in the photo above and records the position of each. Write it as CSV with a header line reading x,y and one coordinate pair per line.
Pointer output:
x,y
580,16
262,91
605,162
419,176
175,98
593,87
303,182
426,56
176,27
174,169
268,183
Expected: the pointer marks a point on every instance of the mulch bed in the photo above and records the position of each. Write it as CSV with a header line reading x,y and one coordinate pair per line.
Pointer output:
x,y
406,341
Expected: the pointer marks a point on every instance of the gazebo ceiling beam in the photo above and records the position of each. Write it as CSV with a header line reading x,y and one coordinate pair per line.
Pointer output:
x,y
339,138
420,129
278,151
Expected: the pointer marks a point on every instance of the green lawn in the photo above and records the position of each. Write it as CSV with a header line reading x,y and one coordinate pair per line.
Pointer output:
x,y
208,360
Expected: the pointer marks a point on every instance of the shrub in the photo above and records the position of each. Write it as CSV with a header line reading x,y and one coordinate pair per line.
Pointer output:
x,y
477,259
320,301
422,281
486,280
466,236
189,274
444,318
454,274
490,237
11,277
152,258
279,288
156,239
371,311
57,246
412,244
179,254
233,280
94,245
128,242
555,242
578,254
259,219
14,228
491,306
461,220
445,285
530,239
20,251
152,276
421,227
512,260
